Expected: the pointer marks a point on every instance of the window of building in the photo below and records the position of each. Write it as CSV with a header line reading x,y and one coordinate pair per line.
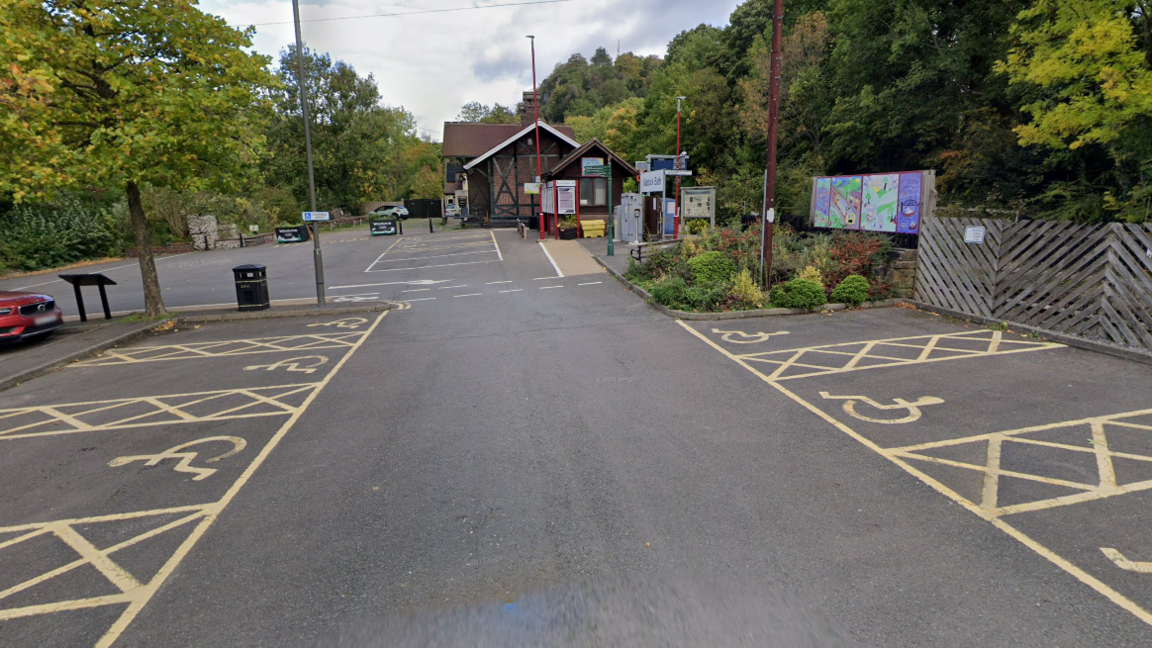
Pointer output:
x,y
593,192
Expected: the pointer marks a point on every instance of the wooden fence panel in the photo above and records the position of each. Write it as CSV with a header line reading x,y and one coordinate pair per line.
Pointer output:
x,y
962,277
1090,281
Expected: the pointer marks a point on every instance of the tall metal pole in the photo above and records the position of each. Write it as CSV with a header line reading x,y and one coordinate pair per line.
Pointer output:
x,y
768,213
611,229
536,108
676,217
301,80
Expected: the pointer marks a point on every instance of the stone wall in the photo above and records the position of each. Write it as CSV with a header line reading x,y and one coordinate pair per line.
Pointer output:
x,y
900,272
204,231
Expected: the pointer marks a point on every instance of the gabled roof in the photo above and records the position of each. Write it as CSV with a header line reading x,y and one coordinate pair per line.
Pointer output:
x,y
524,131
470,139
583,150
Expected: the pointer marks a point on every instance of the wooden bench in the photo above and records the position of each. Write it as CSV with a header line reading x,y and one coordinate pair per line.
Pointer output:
x,y
640,249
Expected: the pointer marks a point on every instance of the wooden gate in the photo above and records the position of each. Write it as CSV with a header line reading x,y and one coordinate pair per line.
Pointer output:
x,y
1090,281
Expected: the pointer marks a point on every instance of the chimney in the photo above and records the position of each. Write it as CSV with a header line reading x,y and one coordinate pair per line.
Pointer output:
x,y
528,109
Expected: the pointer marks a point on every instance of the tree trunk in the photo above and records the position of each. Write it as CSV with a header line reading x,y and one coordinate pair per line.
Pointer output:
x,y
153,298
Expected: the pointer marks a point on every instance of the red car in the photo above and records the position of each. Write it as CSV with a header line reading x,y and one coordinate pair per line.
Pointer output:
x,y
26,316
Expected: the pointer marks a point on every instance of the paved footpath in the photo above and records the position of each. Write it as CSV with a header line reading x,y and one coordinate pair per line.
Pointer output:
x,y
518,458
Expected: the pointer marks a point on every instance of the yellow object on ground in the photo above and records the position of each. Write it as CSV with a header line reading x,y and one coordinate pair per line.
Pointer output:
x,y
593,228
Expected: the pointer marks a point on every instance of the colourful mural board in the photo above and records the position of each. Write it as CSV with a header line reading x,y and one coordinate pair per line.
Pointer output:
x,y
884,202
820,217
845,202
880,202
908,221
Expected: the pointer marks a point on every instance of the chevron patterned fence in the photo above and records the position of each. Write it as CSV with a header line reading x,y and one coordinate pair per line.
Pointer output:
x,y
1091,281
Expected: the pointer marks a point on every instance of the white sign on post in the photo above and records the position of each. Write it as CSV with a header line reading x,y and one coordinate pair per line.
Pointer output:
x,y
317,216
652,181
975,235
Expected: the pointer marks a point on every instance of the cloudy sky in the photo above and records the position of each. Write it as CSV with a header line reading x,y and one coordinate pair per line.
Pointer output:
x,y
433,63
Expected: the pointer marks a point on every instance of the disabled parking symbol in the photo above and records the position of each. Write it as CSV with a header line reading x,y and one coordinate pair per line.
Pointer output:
x,y
186,458
913,407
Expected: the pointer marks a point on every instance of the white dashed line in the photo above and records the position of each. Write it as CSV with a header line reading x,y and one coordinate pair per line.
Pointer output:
x,y
469,295
550,287
511,291
594,283
422,299
493,283
451,287
416,290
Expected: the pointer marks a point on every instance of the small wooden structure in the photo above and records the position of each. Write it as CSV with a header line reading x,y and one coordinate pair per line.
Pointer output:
x,y
592,195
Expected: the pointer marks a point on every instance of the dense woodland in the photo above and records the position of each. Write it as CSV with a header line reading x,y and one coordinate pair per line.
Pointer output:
x,y
1041,107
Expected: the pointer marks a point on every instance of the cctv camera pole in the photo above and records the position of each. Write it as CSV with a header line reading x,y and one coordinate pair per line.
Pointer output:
x,y
679,157
317,255
536,108
769,208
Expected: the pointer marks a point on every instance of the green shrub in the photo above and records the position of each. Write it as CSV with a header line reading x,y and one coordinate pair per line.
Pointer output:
x,y
38,236
744,292
853,290
670,292
711,268
675,293
798,293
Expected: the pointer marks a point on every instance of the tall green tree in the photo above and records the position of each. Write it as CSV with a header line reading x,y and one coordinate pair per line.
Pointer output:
x,y
358,144
118,94
478,113
1086,69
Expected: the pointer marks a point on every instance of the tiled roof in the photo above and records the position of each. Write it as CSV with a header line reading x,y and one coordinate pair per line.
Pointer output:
x,y
469,140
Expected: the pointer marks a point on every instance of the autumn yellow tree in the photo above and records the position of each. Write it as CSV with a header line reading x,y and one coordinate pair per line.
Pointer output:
x,y
119,93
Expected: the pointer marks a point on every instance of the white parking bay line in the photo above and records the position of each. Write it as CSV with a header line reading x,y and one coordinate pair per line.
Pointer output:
x,y
551,260
416,290
442,265
511,291
550,287
493,283
591,283
451,287
469,295
421,299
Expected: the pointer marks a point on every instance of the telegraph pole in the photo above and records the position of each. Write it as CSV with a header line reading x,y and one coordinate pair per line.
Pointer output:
x,y
317,255
679,154
536,108
768,213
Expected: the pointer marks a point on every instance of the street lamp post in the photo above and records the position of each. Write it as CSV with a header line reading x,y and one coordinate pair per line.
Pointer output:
x,y
317,255
536,109
768,213
679,156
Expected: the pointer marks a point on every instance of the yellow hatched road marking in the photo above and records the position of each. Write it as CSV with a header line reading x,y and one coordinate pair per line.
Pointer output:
x,y
175,406
857,352
226,348
990,516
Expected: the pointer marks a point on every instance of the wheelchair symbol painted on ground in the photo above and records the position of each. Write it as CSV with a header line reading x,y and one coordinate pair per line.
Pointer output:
x,y
346,323
1124,563
746,338
304,364
186,458
913,407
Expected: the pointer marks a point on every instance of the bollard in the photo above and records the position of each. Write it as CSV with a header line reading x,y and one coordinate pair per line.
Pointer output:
x,y
430,230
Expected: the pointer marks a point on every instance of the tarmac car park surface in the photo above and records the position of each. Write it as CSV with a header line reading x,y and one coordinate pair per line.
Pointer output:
x,y
522,458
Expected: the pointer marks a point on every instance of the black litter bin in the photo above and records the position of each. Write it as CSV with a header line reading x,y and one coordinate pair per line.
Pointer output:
x,y
251,287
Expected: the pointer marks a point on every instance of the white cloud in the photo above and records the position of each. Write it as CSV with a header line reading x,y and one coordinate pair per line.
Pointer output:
x,y
434,63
